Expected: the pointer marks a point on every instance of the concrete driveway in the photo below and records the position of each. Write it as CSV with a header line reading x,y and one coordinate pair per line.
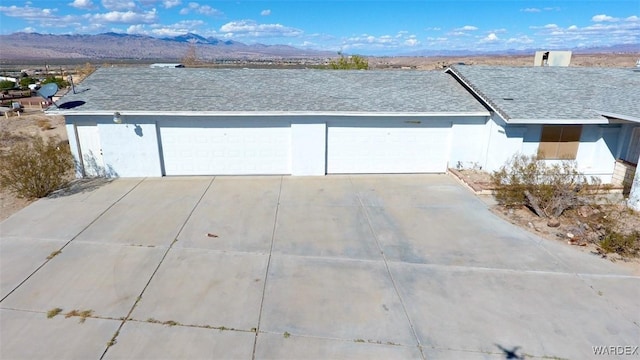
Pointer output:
x,y
410,266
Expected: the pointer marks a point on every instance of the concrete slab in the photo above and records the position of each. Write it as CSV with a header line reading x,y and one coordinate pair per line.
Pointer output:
x,y
412,191
334,190
621,293
29,335
336,231
450,236
576,260
151,214
240,211
463,309
104,278
338,299
277,346
155,341
20,257
43,219
206,288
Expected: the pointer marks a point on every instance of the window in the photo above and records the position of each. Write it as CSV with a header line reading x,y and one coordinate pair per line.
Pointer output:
x,y
559,142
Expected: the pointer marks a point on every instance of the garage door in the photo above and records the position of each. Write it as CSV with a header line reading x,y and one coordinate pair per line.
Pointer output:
x,y
226,147
388,146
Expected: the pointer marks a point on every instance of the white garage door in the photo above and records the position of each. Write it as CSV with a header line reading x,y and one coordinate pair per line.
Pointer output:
x,y
388,146
226,147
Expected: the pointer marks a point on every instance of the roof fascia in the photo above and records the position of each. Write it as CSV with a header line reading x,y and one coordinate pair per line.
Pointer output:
x,y
479,96
269,113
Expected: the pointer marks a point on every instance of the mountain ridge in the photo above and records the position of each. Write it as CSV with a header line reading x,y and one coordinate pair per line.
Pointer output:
x,y
112,45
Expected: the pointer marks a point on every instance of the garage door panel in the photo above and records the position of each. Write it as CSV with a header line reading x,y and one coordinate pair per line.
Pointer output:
x,y
390,146
227,149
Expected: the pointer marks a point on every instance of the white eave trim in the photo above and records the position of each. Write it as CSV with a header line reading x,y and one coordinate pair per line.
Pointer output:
x,y
618,116
269,113
602,120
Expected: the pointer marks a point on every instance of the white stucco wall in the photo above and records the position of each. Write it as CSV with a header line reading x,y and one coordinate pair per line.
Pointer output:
x,y
503,142
308,147
634,194
597,150
73,145
469,142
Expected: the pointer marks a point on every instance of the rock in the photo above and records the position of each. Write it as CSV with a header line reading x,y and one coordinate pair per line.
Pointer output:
x,y
570,235
585,211
553,222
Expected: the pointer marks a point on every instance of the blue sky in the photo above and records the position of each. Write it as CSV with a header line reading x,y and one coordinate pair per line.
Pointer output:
x,y
358,26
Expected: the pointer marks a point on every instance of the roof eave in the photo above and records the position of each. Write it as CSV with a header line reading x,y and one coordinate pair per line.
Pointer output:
x,y
269,113
619,116
601,120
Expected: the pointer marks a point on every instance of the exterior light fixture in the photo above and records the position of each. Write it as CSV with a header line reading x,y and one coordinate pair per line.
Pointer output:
x,y
117,118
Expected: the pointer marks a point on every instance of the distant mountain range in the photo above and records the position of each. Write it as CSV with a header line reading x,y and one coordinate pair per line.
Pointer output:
x,y
34,46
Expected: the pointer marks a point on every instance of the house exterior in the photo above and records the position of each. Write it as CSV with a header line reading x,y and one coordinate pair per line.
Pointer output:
x,y
248,122
135,122
591,115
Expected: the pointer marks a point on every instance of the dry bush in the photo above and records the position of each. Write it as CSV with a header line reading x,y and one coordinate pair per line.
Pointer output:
x,y
36,168
546,188
44,124
626,245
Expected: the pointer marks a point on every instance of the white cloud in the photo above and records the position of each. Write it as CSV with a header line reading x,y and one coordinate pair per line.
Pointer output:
x,y
402,39
28,13
603,17
632,18
412,42
118,4
200,9
251,28
599,33
491,38
265,12
168,4
433,29
531,10
466,28
82,4
126,17
29,29
550,26
520,40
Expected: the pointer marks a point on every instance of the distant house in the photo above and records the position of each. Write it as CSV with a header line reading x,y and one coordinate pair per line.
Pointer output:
x,y
163,65
158,122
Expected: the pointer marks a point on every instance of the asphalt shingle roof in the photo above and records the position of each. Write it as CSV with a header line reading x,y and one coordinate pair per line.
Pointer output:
x,y
252,90
555,93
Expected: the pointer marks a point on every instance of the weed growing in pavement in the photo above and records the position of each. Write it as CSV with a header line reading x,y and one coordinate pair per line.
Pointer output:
x,y
53,312
54,254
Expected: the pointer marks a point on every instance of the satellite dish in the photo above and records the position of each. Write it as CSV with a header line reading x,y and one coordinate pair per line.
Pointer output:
x,y
47,91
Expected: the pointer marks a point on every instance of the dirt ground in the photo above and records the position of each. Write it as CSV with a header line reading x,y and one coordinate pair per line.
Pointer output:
x,y
576,228
12,131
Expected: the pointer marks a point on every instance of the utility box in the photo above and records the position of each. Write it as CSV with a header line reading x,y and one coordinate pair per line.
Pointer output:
x,y
552,58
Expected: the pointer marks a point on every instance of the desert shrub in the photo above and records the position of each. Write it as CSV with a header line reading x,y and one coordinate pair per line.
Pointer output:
x,y
44,124
36,168
623,244
546,188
